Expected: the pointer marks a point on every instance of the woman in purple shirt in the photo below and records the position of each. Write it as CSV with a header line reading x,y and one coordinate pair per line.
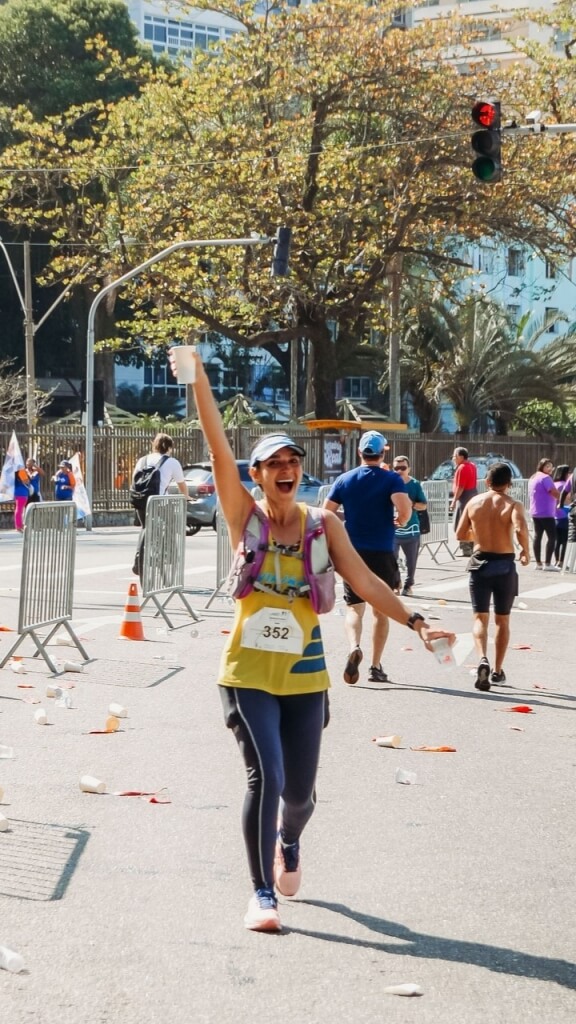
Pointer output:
x,y
543,497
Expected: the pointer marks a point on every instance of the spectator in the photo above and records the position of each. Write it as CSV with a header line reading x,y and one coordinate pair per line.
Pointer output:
x,y
563,483
407,537
22,488
492,521
35,474
464,488
543,497
64,482
170,472
373,499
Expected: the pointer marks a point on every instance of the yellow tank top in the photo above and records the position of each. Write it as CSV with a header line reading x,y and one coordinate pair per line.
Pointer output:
x,y
277,672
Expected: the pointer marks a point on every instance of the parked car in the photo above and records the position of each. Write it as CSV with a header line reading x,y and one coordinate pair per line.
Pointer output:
x,y
202,497
446,469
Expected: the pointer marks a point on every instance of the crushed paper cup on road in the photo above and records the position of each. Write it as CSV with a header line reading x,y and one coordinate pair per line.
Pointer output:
x,y
387,741
90,784
436,750
158,796
40,717
18,667
112,725
118,710
408,989
63,640
6,752
64,700
406,778
4,823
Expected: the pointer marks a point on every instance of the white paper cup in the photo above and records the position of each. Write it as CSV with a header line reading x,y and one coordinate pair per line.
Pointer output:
x,y
54,691
72,666
443,651
40,717
118,710
388,741
184,361
406,778
89,784
4,823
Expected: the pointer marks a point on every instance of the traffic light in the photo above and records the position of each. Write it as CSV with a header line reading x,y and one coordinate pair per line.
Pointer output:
x,y
280,260
487,142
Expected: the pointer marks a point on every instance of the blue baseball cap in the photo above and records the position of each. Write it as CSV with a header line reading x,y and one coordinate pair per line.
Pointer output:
x,y
271,444
372,443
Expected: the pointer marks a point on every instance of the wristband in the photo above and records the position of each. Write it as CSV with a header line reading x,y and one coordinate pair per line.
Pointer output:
x,y
414,618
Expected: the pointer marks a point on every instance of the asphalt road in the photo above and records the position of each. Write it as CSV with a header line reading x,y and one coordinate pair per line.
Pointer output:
x,y
130,912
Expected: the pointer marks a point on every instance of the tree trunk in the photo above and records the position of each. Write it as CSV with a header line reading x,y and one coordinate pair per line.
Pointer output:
x,y
324,372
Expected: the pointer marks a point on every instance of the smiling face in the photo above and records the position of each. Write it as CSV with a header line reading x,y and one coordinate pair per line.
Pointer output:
x,y
280,475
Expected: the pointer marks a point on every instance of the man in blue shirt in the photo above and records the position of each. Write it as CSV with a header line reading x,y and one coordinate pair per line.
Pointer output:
x,y
408,536
374,501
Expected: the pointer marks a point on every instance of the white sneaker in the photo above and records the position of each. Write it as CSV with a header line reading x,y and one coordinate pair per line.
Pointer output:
x,y
552,568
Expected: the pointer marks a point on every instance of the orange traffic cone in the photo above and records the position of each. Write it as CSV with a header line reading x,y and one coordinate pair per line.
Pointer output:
x,y
131,627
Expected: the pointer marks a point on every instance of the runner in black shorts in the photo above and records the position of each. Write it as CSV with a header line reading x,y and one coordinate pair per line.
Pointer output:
x,y
384,565
494,523
374,501
496,579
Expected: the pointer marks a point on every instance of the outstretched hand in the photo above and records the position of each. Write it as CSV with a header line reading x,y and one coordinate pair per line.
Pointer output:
x,y
428,635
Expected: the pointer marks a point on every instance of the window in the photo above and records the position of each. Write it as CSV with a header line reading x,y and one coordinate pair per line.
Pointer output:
x,y
514,312
551,311
515,263
486,260
357,387
550,270
168,35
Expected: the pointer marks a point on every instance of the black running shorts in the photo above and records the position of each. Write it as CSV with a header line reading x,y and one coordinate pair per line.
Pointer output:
x,y
383,564
497,579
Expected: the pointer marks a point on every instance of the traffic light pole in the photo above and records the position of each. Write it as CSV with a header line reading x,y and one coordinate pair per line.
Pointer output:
x,y
90,339
538,129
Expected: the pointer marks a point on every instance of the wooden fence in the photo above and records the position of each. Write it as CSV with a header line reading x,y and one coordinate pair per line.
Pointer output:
x,y
116,450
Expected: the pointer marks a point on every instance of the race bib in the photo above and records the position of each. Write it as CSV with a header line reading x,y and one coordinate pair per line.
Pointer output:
x,y
273,629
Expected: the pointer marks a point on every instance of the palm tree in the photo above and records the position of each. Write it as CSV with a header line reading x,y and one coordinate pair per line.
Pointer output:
x,y
472,357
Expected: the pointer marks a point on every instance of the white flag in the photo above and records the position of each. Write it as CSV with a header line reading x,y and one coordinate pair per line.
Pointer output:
x,y
79,495
12,462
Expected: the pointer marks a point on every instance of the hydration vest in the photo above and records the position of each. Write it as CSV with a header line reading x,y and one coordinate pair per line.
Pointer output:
x,y
319,585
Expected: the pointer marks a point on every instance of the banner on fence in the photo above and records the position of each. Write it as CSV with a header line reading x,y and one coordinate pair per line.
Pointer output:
x,y
80,496
12,462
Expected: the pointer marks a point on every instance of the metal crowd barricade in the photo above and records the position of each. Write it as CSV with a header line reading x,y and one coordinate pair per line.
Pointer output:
x,y
323,493
165,552
438,498
224,555
47,578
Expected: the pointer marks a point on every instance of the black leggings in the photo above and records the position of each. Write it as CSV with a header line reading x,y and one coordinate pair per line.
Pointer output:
x,y
279,738
561,539
544,525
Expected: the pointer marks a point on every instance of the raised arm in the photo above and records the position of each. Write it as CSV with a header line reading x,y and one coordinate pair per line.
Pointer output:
x,y
234,498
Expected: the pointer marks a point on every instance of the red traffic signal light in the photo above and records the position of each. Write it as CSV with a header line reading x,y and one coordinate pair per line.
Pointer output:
x,y
486,114
487,142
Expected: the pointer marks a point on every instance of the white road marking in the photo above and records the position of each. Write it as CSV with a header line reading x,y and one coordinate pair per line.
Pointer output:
x,y
552,591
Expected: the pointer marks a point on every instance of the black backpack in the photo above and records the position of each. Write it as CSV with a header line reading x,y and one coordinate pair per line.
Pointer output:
x,y
145,483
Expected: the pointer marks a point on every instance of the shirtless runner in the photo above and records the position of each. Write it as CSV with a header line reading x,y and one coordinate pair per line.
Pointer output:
x,y
493,521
